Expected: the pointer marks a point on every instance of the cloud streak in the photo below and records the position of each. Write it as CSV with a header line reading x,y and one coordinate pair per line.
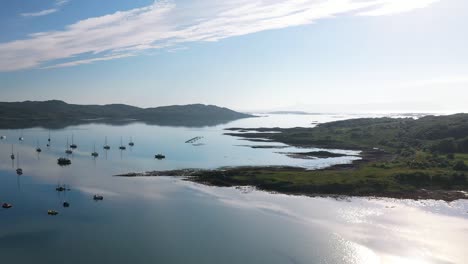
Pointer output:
x,y
165,24
46,12
40,13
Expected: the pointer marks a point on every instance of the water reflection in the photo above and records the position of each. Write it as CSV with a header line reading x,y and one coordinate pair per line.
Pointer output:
x,y
169,220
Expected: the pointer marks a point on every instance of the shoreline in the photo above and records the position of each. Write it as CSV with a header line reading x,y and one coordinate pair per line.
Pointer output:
x,y
222,177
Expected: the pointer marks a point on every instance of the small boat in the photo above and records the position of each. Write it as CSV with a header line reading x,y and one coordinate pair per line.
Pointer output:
x,y
38,149
19,171
66,204
61,188
122,147
7,205
95,154
73,145
52,212
2,137
21,138
131,143
63,161
68,150
106,147
159,156
12,156
98,197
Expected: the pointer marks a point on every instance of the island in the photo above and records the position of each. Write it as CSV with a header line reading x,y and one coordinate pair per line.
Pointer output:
x,y
58,114
423,158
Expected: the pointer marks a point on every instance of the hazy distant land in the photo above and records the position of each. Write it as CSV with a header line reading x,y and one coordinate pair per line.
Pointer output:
x,y
58,114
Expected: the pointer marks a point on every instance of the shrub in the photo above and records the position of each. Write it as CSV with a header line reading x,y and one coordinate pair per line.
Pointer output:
x,y
460,166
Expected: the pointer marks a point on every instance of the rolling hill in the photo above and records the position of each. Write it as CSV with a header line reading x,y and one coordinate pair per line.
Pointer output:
x,y
55,113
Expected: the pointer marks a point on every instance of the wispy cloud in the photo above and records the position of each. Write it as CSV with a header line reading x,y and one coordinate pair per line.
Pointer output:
x,y
61,2
398,6
45,12
88,61
164,24
40,13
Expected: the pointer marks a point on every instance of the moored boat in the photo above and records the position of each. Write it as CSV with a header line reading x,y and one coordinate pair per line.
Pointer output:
x,y
63,161
159,156
97,197
52,212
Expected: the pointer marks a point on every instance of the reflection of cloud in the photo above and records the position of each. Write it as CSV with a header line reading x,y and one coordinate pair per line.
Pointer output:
x,y
167,24
93,190
387,230
403,232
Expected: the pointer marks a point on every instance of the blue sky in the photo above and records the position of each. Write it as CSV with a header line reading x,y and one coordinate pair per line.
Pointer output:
x,y
315,55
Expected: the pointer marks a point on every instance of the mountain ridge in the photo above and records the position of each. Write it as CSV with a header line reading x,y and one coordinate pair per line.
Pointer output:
x,y
38,113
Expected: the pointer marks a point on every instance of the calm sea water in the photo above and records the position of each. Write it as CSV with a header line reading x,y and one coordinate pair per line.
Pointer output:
x,y
168,220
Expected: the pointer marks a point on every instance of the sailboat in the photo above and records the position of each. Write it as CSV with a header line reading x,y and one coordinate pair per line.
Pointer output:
x,y
159,156
48,140
73,145
68,150
131,143
63,161
94,154
106,147
19,171
122,147
38,149
12,156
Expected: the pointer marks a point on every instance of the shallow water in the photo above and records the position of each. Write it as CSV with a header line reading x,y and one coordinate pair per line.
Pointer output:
x,y
168,220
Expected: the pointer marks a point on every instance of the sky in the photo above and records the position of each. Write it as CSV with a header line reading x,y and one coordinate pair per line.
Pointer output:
x,y
248,55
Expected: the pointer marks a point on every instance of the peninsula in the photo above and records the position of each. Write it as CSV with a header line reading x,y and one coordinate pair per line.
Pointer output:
x,y
423,158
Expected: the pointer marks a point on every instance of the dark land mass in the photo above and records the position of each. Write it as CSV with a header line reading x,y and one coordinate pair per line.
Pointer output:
x,y
264,146
57,114
423,158
314,154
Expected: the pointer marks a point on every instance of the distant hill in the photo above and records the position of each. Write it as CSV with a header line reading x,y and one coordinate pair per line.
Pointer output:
x,y
56,113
